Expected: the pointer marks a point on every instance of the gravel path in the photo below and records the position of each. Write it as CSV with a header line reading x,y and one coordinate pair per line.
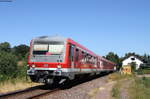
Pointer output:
x,y
99,88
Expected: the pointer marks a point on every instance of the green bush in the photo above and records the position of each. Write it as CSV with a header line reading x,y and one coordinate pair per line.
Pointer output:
x,y
5,46
22,70
13,62
8,65
133,67
20,51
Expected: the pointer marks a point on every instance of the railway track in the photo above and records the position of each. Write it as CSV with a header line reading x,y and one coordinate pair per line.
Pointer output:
x,y
30,93
41,91
44,94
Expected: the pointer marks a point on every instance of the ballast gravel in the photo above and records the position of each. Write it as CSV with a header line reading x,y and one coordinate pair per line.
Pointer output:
x,y
98,88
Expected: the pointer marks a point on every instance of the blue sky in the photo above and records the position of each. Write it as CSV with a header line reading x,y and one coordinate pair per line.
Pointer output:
x,y
102,26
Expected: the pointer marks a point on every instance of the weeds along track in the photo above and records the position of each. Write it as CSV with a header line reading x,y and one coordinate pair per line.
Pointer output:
x,y
30,93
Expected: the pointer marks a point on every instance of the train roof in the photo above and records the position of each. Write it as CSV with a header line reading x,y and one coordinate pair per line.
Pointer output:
x,y
50,38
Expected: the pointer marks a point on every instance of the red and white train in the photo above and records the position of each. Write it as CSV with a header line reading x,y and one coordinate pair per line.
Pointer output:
x,y
56,59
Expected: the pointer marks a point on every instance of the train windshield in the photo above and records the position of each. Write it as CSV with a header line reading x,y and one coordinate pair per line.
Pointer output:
x,y
52,48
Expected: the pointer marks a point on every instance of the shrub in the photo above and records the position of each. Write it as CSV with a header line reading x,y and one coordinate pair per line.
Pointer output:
x,y
5,46
133,67
20,51
22,70
8,65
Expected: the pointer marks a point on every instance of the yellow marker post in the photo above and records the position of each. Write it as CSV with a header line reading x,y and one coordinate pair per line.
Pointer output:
x,y
126,70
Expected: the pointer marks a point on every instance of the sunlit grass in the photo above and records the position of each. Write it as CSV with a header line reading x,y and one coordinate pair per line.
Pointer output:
x,y
16,84
140,88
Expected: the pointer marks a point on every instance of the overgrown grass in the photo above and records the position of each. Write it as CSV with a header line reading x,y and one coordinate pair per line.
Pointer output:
x,y
117,76
140,89
120,80
16,84
115,92
143,71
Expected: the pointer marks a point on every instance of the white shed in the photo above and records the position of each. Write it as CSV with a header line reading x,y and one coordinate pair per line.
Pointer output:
x,y
132,59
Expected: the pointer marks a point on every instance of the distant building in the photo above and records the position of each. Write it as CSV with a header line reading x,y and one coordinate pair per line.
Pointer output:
x,y
131,59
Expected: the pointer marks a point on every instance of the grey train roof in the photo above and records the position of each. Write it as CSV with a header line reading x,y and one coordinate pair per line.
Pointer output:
x,y
49,38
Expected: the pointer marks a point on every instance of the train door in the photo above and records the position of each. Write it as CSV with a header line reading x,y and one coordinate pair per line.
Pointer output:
x,y
71,56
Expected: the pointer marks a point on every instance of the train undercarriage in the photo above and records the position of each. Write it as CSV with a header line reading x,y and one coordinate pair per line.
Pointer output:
x,y
57,77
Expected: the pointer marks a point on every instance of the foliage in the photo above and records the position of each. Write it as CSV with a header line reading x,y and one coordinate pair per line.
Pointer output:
x,y
8,64
145,66
5,47
114,58
146,58
132,54
9,59
22,70
133,66
21,51
143,71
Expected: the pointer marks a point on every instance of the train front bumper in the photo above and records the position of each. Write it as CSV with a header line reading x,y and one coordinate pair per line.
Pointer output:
x,y
50,72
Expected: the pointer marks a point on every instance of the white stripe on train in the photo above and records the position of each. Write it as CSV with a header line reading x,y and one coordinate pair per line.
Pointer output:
x,y
74,69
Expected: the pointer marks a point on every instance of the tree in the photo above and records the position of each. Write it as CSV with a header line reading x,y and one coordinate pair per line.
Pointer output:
x,y
146,59
5,46
114,58
132,54
21,51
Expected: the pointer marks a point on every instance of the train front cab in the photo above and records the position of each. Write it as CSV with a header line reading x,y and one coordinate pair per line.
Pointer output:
x,y
48,60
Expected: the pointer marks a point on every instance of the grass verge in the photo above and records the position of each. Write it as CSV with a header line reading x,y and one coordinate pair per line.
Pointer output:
x,y
15,84
118,88
140,88
134,87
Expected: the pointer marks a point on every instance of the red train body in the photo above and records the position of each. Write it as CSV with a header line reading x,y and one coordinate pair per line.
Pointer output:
x,y
55,59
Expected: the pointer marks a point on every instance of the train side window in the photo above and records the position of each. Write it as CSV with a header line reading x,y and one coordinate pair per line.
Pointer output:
x,y
71,52
82,53
77,54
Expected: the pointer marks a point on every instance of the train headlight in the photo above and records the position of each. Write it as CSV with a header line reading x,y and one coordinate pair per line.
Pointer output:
x,y
33,65
58,66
